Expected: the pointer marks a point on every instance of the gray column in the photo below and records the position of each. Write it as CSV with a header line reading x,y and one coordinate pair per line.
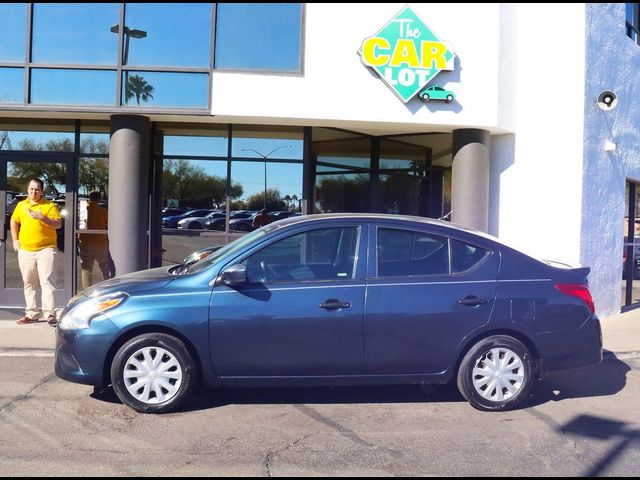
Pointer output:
x,y
129,192
470,178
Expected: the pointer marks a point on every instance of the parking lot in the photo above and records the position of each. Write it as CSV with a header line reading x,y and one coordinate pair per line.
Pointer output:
x,y
579,423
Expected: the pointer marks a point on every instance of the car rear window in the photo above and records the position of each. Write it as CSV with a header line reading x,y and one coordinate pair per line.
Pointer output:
x,y
465,256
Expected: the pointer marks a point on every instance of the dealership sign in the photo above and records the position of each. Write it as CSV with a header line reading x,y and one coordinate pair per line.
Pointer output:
x,y
406,54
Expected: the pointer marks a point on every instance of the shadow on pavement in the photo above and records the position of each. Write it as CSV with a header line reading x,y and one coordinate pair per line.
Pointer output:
x,y
605,379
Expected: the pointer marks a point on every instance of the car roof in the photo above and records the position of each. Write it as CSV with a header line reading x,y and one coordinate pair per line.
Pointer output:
x,y
386,217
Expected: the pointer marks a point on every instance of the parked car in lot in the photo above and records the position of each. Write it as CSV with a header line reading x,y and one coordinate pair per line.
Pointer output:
x,y
172,222
437,93
197,223
335,299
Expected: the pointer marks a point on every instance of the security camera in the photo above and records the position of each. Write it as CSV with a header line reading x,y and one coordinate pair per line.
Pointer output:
x,y
607,100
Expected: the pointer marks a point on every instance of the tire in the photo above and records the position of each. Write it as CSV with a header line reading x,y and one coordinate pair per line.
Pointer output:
x,y
449,98
425,97
174,381
195,226
502,388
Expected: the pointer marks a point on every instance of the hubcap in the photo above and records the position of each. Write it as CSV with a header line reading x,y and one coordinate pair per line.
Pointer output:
x,y
498,375
152,375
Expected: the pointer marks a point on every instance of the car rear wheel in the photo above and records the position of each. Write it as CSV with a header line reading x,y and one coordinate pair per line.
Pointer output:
x,y
152,373
449,98
496,373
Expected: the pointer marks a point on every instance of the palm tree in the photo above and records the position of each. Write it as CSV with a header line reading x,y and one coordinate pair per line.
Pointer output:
x,y
137,86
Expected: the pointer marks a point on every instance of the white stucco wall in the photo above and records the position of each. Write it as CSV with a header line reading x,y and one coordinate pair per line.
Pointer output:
x,y
337,90
613,63
536,177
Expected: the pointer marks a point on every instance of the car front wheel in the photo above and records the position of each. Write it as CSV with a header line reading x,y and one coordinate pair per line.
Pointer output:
x,y
153,373
496,373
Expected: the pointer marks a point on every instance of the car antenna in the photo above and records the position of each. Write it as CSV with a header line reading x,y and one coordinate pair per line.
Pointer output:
x,y
447,216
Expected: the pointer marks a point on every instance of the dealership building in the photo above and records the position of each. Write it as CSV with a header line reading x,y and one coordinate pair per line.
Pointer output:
x,y
520,120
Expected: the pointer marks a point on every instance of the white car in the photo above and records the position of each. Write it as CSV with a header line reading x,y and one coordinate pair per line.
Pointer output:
x,y
197,223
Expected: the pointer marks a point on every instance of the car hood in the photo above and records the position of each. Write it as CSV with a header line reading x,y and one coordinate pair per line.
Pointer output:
x,y
143,280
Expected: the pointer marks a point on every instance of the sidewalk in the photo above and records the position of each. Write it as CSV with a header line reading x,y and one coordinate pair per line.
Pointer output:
x,y
621,335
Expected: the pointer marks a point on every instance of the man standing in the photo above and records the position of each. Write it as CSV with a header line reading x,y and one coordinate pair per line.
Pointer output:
x,y
263,218
94,247
33,229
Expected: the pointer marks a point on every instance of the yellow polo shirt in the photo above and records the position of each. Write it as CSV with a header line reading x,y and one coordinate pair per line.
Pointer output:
x,y
34,235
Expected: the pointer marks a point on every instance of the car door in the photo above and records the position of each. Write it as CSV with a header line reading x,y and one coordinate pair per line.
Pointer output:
x,y
427,292
301,311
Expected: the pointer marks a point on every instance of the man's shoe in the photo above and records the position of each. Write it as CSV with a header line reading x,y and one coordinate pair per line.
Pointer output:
x,y
52,320
26,320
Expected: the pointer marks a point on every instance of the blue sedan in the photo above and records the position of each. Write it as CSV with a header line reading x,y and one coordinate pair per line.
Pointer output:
x,y
335,299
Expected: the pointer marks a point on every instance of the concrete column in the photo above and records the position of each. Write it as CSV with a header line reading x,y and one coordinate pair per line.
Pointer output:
x,y
129,192
470,178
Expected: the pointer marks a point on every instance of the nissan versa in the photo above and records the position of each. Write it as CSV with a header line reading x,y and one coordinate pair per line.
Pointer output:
x,y
335,299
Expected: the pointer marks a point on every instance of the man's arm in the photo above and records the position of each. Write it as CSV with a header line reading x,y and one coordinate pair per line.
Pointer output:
x,y
15,230
51,222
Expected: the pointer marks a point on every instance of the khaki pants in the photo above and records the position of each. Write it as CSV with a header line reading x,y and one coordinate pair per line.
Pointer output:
x,y
89,254
38,269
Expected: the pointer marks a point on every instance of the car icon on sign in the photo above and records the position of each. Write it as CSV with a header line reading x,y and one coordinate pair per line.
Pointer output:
x,y
437,93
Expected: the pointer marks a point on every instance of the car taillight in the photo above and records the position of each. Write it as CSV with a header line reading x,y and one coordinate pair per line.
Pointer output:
x,y
577,290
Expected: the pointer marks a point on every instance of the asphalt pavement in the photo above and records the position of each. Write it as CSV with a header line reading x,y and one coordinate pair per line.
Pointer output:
x,y
621,336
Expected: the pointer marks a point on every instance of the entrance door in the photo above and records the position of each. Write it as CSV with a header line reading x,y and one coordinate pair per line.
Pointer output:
x,y
55,170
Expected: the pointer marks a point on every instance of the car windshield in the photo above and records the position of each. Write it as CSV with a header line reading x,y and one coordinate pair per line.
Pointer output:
x,y
230,249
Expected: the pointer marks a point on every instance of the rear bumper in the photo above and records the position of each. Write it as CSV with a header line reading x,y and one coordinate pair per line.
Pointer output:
x,y
573,349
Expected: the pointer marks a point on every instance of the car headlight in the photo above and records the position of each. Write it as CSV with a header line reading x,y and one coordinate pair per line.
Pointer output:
x,y
80,316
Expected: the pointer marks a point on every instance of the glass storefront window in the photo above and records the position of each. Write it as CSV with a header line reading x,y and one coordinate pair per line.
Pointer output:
x,y
37,141
263,37
11,85
213,143
165,89
73,87
177,34
272,185
75,33
343,179
403,184
270,142
13,35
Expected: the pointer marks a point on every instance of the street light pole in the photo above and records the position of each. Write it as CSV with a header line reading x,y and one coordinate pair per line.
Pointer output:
x,y
128,32
264,157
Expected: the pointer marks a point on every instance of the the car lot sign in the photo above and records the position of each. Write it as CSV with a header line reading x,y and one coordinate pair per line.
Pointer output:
x,y
406,54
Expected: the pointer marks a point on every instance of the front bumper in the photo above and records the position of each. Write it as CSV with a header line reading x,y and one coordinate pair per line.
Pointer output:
x,y
81,354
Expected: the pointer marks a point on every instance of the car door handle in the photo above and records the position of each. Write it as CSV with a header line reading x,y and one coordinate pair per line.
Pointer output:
x,y
333,304
473,301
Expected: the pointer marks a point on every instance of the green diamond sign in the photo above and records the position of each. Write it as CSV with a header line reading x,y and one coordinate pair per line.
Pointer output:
x,y
406,54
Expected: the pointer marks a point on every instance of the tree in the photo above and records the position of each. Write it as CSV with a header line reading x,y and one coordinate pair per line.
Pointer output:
x,y
274,201
138,87
5,142
193,187
52,174
343,193
93,173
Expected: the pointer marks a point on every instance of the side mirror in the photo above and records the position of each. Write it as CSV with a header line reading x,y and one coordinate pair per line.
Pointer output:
x,y
235,275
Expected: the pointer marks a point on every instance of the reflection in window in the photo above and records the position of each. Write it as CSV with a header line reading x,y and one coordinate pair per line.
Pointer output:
x,y
403,178
177,34
11,85
194,184
251,36
325,254
13,32
166,89
37,141
402,253
343,179
94,143
75,33
212,144
465,256
281,191
73,87
270,142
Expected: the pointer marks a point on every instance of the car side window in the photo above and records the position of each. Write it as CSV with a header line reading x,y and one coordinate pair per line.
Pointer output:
x,y
465,256
316,255
402,253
